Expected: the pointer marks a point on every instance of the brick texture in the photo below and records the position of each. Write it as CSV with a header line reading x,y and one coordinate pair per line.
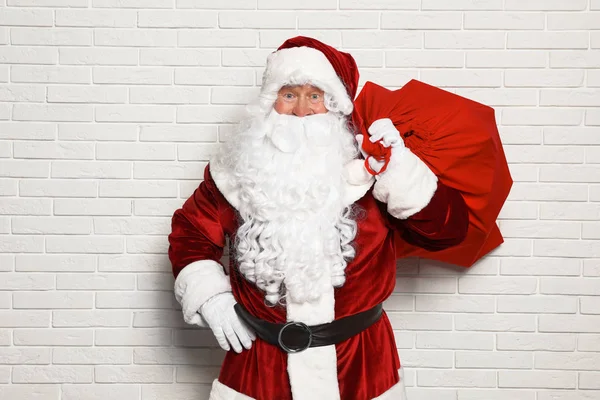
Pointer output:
x,y
110,110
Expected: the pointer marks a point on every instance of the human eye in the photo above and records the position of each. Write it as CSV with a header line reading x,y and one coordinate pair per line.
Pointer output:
x,y
315,97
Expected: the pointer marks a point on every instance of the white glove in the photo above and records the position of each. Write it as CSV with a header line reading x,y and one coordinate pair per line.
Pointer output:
x,y
226,325
383,129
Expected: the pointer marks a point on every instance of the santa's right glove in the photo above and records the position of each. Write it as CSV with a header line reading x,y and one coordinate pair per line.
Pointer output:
x,y
227,327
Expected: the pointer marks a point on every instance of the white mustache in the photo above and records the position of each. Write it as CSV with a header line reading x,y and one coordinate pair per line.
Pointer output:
x,y
289,133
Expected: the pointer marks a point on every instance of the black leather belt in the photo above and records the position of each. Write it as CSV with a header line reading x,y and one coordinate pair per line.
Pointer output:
x,y
294,337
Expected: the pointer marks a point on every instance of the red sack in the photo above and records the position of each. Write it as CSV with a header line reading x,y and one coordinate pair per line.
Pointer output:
x,y
458,140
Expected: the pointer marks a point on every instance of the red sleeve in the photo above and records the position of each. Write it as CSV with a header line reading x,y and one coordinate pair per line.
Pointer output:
x,y
196,230
441,224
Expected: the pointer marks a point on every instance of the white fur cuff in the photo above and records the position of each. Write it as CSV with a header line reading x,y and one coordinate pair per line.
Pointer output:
x,y
407,185
358,180
196,283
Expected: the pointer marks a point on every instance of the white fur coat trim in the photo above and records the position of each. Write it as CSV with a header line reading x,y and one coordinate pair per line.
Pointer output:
x,y
222,392
196,283
313,372
407,185
356,186
300,65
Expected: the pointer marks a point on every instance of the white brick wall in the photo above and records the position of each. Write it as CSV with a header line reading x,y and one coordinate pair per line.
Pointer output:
x,y
109,110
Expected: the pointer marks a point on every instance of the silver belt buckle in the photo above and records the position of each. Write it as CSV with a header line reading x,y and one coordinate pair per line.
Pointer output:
x,y
301,325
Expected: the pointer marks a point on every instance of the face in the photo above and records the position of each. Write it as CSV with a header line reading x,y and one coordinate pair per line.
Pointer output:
x,y
300,100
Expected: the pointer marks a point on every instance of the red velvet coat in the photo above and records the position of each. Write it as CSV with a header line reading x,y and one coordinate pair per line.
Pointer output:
x,y
367,364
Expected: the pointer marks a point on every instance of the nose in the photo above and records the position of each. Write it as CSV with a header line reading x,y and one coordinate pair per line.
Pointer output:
x,y
302,108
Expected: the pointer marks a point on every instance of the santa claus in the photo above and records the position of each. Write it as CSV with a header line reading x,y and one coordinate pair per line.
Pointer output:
x,y
312,254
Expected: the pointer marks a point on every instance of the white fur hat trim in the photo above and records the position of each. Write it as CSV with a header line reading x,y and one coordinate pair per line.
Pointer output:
x,y
302,65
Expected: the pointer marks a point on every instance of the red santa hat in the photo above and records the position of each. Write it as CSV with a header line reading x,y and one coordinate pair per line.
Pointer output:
x,y
302,60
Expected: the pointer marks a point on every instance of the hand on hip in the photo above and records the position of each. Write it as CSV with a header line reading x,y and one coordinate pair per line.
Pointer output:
x,y
227,327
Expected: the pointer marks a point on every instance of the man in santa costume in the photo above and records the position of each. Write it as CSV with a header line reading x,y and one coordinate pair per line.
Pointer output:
x,y
312,254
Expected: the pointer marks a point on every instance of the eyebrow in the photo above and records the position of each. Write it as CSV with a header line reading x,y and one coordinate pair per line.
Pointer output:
x,y
297,88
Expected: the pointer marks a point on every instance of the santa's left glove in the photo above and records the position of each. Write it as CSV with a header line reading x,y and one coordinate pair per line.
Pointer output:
x,y
382,130
229,330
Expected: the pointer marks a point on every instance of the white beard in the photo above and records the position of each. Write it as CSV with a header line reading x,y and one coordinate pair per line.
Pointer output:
x,y
295,239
